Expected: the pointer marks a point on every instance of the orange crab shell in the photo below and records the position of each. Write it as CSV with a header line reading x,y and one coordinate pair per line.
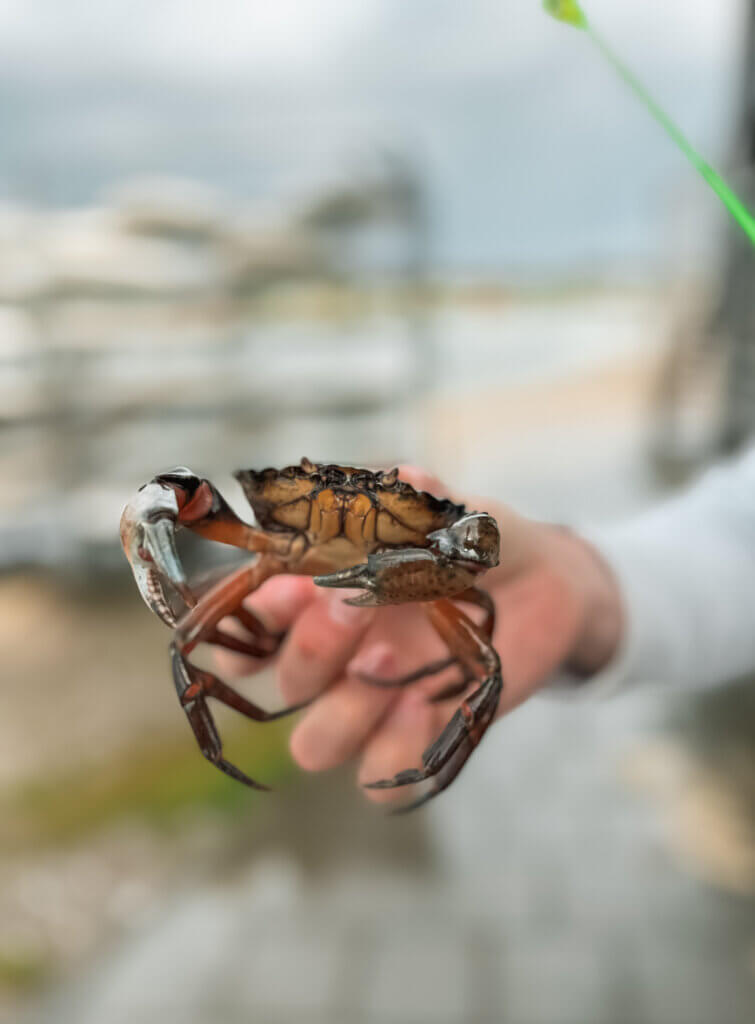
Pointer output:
x,y
326,502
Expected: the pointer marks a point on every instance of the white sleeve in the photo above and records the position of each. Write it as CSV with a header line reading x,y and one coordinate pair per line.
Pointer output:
x,y
686,570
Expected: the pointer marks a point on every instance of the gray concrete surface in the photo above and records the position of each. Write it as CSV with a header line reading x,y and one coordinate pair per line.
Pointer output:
x,y
538,890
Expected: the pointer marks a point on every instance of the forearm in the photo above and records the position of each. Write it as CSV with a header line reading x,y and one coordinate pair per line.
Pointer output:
x,y
686,575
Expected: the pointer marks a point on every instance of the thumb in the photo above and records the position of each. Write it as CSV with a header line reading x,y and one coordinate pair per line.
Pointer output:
x,y
521,542
422,480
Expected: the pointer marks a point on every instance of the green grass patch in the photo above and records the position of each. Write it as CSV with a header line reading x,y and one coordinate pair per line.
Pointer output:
x,y
157,783
23,970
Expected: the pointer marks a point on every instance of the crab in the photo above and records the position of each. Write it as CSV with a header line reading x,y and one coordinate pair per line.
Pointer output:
x,y
345,527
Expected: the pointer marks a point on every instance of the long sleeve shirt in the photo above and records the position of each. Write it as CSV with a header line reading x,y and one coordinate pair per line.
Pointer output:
x,y
686,570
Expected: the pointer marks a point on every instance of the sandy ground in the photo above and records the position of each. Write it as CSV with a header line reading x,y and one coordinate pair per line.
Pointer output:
x,y
85,681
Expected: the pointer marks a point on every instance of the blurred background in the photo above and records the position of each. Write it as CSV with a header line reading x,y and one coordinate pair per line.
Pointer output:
x,y
233,234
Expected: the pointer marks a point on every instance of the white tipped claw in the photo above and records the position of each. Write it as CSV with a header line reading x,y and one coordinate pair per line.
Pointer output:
x,y
148,529
154,592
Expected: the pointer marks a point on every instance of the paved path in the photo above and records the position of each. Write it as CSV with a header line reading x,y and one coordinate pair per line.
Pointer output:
x,y
538,890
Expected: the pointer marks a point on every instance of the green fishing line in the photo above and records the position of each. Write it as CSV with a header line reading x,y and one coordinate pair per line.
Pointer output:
x,y
570,12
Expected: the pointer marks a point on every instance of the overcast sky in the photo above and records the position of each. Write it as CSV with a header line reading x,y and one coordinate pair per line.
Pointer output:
x,y
531,151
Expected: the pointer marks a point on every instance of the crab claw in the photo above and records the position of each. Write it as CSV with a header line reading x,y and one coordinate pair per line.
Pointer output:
x,y
362,576
148,529
375,575
474,539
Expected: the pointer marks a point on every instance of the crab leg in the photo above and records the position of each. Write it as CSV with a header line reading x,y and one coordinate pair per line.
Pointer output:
x,y
195,685
445,757
434,576
263,643
224,598
483,600
251,648
473,595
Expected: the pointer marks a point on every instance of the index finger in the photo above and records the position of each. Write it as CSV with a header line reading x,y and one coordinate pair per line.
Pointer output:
x,y
320,645
519,536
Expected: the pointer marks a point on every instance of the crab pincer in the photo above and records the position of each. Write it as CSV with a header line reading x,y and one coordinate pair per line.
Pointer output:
x,y
148,527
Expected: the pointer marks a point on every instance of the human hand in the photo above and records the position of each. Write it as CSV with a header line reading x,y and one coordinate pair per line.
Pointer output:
x,y
556,604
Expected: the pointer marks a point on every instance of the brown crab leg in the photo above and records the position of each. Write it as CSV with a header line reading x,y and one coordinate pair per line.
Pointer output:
x,y
473,595
454,689
231,642
254,625
263,643
444,758
222,599
195,685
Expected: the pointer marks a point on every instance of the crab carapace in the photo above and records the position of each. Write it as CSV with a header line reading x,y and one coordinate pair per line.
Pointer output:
x,y
345,527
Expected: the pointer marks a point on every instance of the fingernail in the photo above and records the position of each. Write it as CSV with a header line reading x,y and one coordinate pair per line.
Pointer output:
x,y
411,711
412,708
420,479
378,660
347,614
290,588
307,745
